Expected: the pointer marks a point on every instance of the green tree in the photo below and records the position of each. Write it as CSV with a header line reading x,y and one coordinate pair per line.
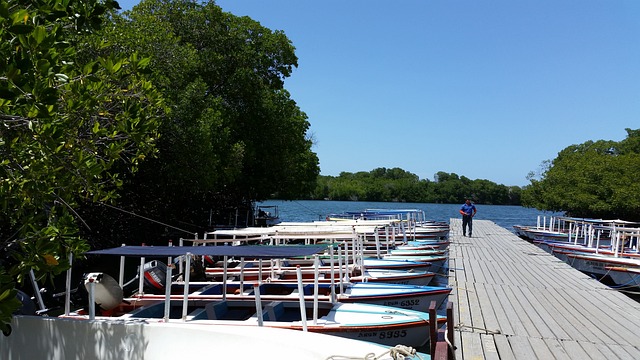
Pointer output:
x,y
593,179
67,128
397,185
234,135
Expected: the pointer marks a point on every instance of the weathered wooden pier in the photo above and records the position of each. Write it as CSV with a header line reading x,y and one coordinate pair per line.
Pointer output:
x,y
513,300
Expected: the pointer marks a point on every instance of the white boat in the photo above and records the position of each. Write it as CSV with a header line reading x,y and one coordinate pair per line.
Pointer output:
x,y
37,337
266,215
624,278
381,324
324,265
437,261
410,297
422,278
598,264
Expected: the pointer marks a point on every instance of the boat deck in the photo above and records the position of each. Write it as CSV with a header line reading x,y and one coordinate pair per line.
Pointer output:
x,y
513,300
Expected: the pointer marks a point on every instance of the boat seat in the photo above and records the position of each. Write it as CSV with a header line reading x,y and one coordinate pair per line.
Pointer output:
x,y
274,310
216,310
198,314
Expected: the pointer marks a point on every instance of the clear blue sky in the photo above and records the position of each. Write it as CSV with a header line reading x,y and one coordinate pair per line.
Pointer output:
x,y
483,89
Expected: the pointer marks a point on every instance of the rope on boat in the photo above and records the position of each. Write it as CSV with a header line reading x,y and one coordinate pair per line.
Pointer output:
x,y
623,288
312,211
631,284
452,348
145,218
489,332
398,352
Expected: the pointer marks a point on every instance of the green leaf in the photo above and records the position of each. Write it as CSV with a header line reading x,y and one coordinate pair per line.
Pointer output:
x,y
144,62
116,67
20,17
39,34
6,294
43,66
89,67
4,9
62,78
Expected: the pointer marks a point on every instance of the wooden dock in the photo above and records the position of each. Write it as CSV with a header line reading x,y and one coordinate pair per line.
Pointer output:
x,y
513,300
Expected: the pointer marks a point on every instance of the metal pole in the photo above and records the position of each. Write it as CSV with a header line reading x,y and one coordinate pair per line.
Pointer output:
x,y
256,291
340,268
333,275
141,277
303,306
67,296
36,288
224,278
185,299
167,292
241,275
121,275
316,262
92,299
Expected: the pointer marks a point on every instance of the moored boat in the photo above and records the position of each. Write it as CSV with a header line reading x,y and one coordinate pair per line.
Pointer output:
x,y
624,278
355,321
410,297
135,339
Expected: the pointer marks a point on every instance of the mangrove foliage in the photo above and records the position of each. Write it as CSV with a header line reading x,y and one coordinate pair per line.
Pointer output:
x,y
595,179
397,185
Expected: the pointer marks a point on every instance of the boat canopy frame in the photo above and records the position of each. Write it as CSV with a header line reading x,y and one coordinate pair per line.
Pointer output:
x,y
246,251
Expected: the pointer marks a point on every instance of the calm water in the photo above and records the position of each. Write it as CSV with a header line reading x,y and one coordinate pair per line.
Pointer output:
x,y
311,210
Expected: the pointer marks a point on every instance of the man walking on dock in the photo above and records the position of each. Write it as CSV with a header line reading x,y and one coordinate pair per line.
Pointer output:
x,y
468,211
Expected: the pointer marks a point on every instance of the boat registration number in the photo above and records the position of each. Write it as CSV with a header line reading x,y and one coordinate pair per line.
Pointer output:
x,y
384,334
407,304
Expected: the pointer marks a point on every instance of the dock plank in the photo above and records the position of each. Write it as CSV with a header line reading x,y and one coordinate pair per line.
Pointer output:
x,y
541,349
504,348
489,347
522,348
574,350
555,347
516,301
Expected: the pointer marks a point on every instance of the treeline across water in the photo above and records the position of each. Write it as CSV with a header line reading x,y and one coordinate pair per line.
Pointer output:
x,y
398,185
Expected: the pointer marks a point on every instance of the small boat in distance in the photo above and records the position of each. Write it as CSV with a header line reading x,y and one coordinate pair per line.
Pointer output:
x,y
266,215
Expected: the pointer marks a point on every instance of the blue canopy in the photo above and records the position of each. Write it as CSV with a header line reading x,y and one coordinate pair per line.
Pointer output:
x,y
247,251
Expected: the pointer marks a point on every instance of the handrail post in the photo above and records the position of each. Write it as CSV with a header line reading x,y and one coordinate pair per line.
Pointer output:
x,y
450,326
433,328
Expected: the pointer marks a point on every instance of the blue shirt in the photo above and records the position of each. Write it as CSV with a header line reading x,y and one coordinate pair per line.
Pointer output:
x,y
468,209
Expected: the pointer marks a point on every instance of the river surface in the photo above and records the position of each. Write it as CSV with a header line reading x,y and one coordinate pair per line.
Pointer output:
x,y
312,210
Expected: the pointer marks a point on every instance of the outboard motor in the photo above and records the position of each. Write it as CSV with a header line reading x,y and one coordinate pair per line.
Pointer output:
x,y
155,277
155,274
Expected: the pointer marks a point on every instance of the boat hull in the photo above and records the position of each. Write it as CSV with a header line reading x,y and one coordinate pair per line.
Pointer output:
x,y
173,340
380,324
410,297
